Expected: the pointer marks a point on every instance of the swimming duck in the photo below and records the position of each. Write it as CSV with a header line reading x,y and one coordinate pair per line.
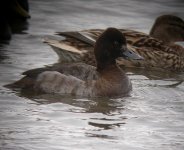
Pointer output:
x,y
106,79
158,48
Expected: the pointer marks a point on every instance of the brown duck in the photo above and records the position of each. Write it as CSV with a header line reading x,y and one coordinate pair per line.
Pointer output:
x,y
107,79
158,48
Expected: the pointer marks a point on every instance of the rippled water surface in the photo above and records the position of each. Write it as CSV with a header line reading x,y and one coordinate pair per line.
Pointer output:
x,y
151,118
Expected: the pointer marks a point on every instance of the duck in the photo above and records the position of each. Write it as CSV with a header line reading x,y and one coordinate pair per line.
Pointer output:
x,y
159,48
107,79
168,28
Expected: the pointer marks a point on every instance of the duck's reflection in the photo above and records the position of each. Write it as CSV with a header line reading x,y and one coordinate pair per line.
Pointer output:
x,y
107,112
105,106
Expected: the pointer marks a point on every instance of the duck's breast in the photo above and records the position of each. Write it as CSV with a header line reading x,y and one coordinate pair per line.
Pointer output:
x,y
113,83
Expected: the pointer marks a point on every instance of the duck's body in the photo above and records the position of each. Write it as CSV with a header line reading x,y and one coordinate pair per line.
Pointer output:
x,y
158,52
106,79
79,70
111,82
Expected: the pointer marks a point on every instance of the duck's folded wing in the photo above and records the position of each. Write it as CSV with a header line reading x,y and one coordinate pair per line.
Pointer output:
x,y
55,82
78,45
91,35
79,70
73,47
82,36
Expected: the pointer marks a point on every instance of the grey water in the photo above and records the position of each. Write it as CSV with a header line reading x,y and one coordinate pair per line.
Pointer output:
x,y
151,118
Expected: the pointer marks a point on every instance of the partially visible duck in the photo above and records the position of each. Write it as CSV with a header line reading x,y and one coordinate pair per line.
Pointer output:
x,y
107,79
168,28
158,49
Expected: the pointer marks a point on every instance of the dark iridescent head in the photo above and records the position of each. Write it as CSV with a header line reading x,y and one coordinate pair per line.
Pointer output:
x,y
109,46
168,28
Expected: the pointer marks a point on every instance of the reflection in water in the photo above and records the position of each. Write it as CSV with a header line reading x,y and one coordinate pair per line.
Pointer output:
x,y
96,105
2,53
105,106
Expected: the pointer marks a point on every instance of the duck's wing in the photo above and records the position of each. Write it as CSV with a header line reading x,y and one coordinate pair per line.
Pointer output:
x,y
141,40
91,35
155,59
155,52
55,82
84,37
30,77
71,50
132,36
76,47
79,70
152,44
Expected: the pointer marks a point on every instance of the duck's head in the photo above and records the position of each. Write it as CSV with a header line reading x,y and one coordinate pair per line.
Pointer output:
x,y
168,28
111,45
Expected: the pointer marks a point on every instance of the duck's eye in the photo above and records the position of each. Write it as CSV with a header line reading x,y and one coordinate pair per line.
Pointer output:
x,y
116,43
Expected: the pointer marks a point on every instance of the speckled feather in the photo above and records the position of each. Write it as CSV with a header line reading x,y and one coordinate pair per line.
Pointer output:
x,y
155,52
158,48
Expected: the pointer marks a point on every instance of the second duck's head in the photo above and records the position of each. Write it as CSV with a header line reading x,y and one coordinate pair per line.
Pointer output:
x,y
110,45
168,28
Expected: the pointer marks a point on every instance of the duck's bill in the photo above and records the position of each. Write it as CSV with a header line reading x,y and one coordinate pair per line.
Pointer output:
x,y
128,53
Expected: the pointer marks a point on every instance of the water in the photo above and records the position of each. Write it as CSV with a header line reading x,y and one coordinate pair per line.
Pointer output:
x,y
151,118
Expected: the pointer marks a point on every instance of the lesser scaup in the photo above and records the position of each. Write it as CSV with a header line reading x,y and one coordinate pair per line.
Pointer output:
x,y
107,79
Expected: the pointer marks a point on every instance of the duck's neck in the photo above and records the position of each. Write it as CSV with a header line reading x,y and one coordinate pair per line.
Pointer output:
x,y
111,72
101,66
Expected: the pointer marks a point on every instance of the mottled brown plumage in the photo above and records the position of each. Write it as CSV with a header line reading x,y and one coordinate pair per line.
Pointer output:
x,y
157,52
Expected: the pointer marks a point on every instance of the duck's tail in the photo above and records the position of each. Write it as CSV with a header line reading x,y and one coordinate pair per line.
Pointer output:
x,y
65,52
74,47
23,83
